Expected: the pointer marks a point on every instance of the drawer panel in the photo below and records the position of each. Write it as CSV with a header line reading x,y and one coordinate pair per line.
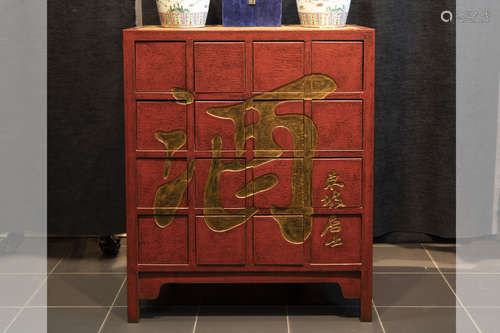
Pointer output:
x,y
160,66
286,132
223,122
339,124
219,67
277,184
167,245
220,248
159,183
336,239
276,64
217,182
269,244
156,122
342,61
337,183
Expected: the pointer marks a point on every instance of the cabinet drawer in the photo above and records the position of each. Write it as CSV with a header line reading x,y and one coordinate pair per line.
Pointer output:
x,y
219,66
270,247
276,64
337,183
161,126
336,239
220,248
208,125
216,189
160,66
339,124
163,245
161,183
342,61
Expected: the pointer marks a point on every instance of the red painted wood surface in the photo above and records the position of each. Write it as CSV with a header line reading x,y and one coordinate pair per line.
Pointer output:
x,y
219,67
340,124
269,246
219,248
350,173
160,66
158,116
222,67
348,252
280,195
151,174
207,126
165,246
276,64
341,60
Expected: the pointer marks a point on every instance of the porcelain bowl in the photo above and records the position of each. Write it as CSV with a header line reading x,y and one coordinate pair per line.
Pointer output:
x,y
183,13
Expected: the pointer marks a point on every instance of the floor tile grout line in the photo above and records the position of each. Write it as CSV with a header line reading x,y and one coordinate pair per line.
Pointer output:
x,y
287,320
195,324
55,266
108,313
378,316
28,301
453,291
52,271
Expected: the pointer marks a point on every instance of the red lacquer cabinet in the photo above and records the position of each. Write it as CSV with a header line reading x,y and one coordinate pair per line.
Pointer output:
x,y
249,157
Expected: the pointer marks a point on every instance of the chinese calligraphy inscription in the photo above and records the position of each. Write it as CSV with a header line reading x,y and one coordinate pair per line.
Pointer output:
x,y
334,200
334,227
295,220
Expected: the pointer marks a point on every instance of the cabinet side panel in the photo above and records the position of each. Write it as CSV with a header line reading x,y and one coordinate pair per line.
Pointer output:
x,y
130,138
367,232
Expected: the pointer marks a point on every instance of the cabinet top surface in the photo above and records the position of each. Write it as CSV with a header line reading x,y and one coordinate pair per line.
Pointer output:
x,y
149,28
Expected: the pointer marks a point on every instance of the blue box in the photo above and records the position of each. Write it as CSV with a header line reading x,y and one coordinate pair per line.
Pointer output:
x,y
242,13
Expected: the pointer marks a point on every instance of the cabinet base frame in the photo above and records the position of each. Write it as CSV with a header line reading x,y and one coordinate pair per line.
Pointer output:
x,y
148,285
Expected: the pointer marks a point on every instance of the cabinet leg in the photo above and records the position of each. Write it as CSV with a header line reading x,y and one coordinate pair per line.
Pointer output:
x,y
366,309
132,300
366,296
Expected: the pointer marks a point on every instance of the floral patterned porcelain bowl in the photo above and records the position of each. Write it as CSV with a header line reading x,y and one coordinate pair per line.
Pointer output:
x,y
317,13
183,13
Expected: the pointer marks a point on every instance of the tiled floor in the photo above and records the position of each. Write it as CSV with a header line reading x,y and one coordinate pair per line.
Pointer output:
x,y
414,291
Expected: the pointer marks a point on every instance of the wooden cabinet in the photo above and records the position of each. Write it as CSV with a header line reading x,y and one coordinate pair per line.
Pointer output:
x,y
249,157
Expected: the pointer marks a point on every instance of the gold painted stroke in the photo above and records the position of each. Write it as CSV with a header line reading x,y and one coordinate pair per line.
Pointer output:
x,y
260,184
182,96
212,202
169,195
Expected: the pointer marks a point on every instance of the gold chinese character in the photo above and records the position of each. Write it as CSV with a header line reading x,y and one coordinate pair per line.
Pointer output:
x,y
336,241
294,220
333,226
335,199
